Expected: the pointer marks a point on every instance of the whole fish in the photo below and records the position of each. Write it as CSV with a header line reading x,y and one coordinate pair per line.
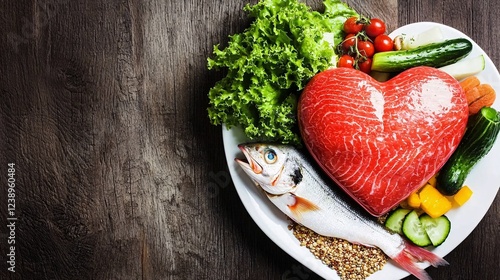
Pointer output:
x,y
291,181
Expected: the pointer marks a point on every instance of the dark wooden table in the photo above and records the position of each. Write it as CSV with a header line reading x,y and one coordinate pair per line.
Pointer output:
x,y
118,172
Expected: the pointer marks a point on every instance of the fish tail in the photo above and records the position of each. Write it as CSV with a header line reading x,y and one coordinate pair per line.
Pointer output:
x,y
408,257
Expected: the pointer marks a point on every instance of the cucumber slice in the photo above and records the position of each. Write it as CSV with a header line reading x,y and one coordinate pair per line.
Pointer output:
x,y
437,229
465,67
394,221
433,35
414,231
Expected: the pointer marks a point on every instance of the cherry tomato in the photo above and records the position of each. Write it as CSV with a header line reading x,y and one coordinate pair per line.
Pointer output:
x,y
351,25
346,61
375,27
383,43
366,65
349,41
366,48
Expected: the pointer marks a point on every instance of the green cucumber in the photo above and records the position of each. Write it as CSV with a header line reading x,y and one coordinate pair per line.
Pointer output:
x,y
394,221
414,231
434,55
482,131
437,229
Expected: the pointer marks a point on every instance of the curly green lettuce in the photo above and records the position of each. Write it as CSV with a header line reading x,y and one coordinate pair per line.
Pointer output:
x,y
270,62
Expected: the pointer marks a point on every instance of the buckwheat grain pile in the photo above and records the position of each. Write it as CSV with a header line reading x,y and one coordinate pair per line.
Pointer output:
x,y
351,261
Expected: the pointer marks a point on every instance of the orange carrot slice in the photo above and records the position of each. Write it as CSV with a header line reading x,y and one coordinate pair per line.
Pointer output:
x,y
469,83
486,98
472,94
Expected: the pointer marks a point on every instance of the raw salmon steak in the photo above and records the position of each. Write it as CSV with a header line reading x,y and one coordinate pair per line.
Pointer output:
x,y
382,141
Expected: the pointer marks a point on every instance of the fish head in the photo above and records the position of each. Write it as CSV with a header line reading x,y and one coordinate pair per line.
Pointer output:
x,y
270,166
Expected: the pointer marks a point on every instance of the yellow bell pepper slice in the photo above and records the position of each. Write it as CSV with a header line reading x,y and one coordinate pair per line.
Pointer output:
x,y
463,195
433,202
414,200
433,181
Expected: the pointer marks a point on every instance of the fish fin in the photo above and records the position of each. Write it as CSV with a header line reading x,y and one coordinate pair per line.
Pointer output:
x,y
408,257
422,254
300,205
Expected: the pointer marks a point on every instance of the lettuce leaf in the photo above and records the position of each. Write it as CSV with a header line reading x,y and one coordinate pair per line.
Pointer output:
x,y
268,64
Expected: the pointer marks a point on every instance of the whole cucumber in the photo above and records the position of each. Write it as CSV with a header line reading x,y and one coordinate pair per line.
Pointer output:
x,y
482,131
434,55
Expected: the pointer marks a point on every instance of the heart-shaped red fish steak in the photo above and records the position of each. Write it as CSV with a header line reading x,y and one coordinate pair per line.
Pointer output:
x,y
382,141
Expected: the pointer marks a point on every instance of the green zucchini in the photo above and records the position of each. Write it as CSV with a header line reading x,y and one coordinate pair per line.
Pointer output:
x,y
482,131
434,55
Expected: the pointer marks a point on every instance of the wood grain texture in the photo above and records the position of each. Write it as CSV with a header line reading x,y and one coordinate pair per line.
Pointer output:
x,y
119,173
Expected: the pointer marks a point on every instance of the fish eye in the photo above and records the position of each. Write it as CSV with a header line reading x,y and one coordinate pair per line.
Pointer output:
x,y
270,156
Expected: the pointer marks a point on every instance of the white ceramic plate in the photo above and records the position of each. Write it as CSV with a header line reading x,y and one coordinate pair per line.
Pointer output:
x,y
484,180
